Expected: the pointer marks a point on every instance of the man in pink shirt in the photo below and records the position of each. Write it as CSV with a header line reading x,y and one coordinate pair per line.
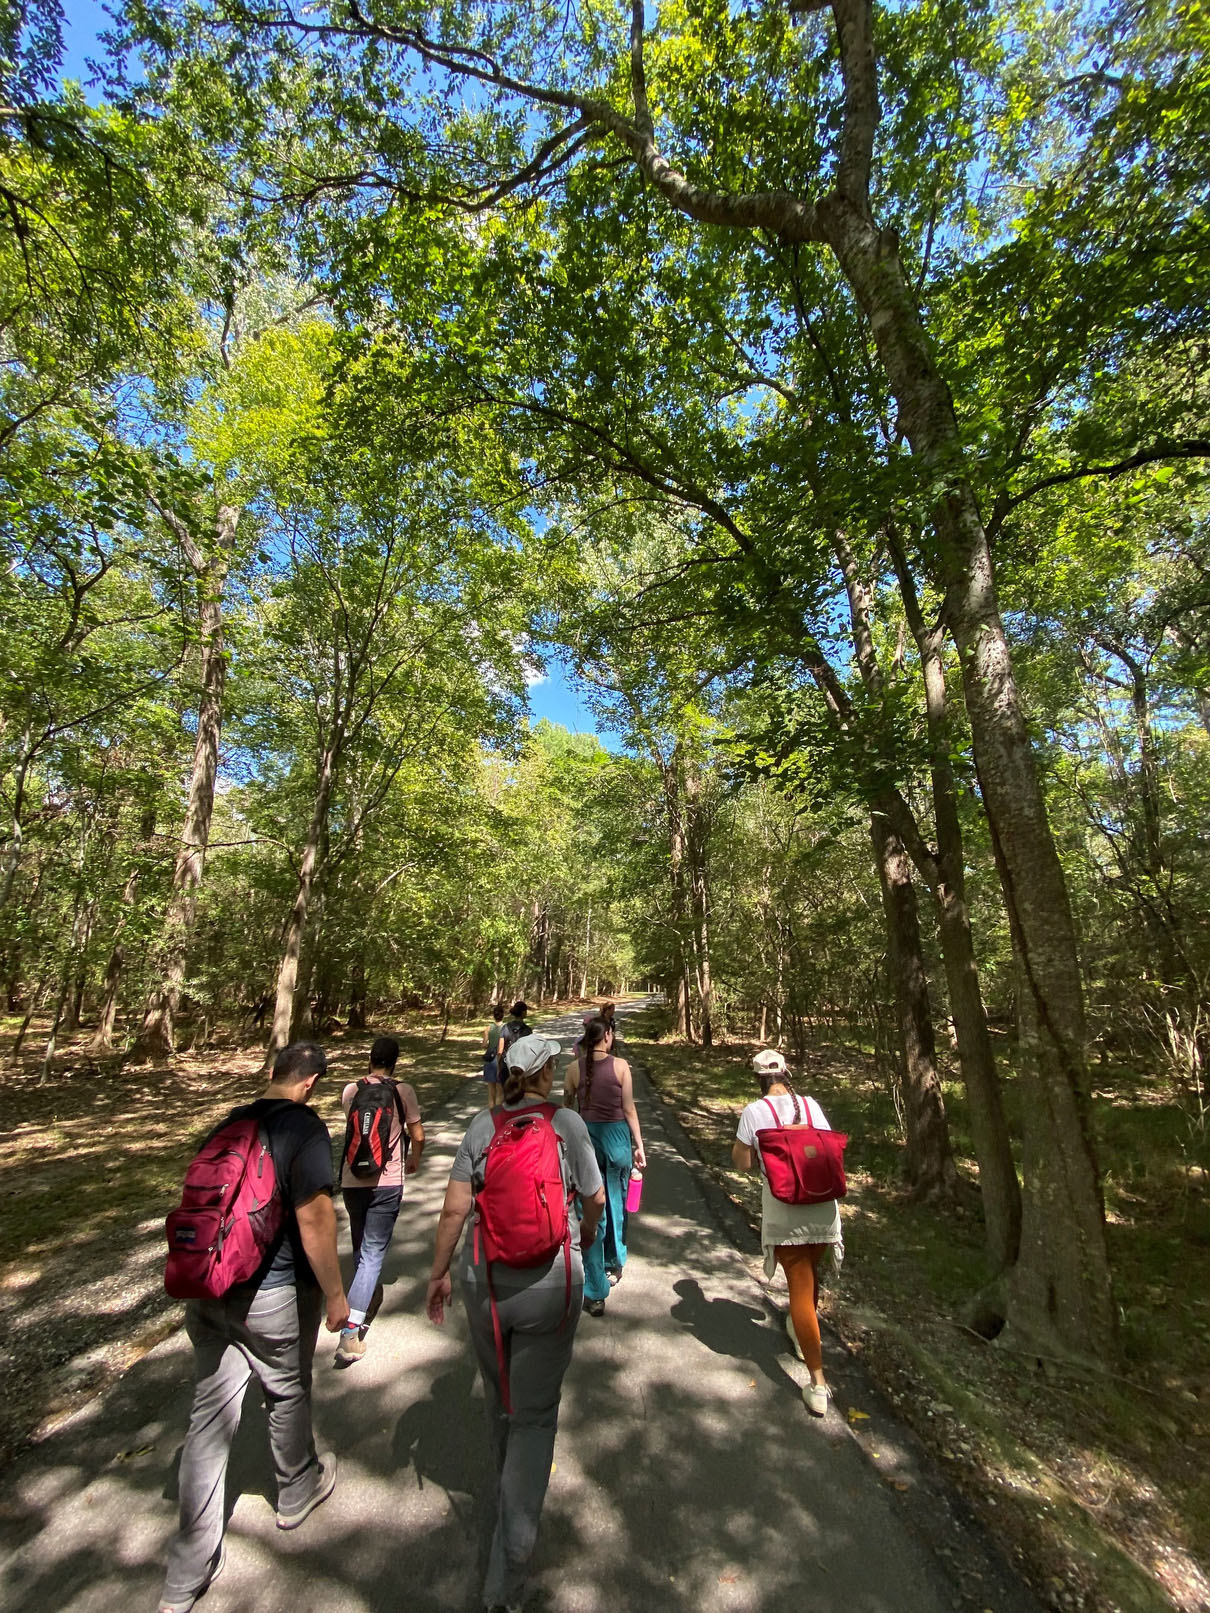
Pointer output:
x,y
373,1197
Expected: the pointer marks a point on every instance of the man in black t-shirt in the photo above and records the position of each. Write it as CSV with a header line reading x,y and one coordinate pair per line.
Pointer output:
x,y
266,1327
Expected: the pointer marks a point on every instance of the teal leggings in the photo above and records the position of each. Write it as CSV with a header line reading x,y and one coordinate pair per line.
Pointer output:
x,y
614,1149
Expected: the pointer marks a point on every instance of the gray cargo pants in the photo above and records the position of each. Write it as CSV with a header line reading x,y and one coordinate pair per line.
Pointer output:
x,y
273,1337
537,1345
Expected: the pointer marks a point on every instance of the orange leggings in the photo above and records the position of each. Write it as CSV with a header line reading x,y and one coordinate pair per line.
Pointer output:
x,y
800,1261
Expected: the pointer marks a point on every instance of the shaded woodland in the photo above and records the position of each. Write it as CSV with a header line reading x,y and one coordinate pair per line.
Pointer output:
x,y
823,387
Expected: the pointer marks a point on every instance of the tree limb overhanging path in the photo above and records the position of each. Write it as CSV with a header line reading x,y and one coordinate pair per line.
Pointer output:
x,y
688,1474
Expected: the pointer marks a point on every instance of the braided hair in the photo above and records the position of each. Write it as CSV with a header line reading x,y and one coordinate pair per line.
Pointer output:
x,y
595,1033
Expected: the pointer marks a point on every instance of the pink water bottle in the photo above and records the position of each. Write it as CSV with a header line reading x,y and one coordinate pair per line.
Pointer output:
x,y
634,1192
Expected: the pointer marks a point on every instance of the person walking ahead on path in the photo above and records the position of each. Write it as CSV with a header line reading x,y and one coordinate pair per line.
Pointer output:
x,y
373,1197
600,1087
792,1236
493,1035
516,1027
537,1307
265,1327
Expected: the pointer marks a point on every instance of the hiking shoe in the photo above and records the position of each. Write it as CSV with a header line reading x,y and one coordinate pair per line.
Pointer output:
x,y
615,1276
185,1604
793,1337
351,1347
321,1492
595,1307
815,1398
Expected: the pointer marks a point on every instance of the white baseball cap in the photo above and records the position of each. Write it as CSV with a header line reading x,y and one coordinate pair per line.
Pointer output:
x,y
767,1061
530,1053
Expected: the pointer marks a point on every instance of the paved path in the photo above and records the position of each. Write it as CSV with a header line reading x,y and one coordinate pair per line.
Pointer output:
x,y
688,1474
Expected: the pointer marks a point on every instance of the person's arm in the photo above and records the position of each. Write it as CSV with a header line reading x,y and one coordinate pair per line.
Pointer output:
x,y
571,1083
632,1114
416,1133
592,1208
317,1228
457,1206
743,1155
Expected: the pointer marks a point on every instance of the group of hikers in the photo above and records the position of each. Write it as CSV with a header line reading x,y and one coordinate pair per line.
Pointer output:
x,y
544,1186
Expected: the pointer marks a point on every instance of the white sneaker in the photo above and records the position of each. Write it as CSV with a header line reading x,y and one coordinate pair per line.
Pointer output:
x,y
793,1337
815,1398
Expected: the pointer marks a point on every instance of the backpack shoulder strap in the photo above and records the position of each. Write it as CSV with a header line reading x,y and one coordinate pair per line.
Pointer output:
x,y
772,1108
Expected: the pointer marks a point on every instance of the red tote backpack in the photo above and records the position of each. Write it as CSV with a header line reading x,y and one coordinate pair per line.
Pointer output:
x,y
804,1164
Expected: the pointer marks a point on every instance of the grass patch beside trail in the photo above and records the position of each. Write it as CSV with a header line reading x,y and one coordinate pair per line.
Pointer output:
x,y
1100,1489
92,1162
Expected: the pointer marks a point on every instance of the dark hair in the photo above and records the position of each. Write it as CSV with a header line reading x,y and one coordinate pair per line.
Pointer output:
x,y
768,1078
517,1082
497,1010
295,1063
519,1010
384,1055
595,1033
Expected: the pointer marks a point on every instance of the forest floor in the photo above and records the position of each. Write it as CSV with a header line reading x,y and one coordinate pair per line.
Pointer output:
x,y
90,1164
1098,1487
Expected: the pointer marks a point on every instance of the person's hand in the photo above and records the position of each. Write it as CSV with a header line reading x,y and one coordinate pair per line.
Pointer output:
x,y
440,1291
338,1311
411,1166
640,1158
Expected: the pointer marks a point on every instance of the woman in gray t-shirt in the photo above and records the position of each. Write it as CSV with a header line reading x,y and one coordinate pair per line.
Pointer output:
x,y
537,1317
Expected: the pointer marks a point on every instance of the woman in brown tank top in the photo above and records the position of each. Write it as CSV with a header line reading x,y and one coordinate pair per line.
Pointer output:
x,y
599,1085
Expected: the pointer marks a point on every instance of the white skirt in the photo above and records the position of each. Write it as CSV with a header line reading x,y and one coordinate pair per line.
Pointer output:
x,y
798,1223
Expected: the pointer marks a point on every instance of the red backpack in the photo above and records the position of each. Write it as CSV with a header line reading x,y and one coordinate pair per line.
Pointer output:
x,y
804,1164
230,1213
521,1210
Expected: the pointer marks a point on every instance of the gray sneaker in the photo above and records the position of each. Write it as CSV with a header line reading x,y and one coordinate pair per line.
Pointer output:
x,y
323,1489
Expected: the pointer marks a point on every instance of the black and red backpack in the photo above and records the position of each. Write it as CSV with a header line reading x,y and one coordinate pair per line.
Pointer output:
x,y
368,1129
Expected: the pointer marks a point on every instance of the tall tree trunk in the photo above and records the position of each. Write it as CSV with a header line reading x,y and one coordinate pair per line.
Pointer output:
x,y
684,1022
103,1037
74,1007
697,853
157,1034
296,924
929,1163
12,852
1061,1294
998,1184
678,884
357,995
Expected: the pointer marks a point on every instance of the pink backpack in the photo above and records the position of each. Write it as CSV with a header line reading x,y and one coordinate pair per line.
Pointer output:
x,y
230,1212
804,1164
521,1214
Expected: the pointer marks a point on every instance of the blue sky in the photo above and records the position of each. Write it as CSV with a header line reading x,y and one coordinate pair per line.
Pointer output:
x,y
84,20
555,699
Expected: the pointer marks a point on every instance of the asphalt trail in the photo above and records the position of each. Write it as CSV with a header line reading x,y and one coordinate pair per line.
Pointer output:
x,y
688,1474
